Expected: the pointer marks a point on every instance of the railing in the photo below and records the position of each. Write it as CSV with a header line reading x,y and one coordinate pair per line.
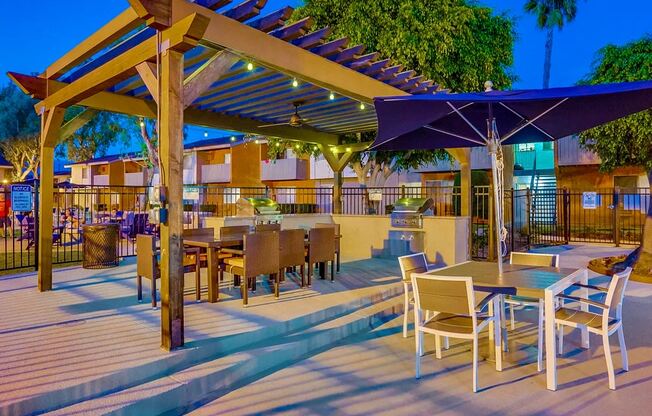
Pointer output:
x,y
380,201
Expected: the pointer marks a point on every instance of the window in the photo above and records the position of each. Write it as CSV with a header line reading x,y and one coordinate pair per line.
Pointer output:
x,y
227,158
84,173
548,145
526,147
231,195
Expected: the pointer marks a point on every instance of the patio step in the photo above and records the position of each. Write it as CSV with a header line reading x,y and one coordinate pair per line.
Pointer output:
x,y
191,387
195,353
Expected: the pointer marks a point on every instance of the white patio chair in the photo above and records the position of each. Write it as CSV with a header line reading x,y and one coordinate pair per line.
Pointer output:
x,y
452,301
531,259
605,323
413,263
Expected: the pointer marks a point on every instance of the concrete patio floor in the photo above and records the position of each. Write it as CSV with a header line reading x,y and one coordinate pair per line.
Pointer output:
x,y
89,348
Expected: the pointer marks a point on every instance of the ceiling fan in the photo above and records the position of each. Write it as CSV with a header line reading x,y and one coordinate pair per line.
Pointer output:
x,y
295,119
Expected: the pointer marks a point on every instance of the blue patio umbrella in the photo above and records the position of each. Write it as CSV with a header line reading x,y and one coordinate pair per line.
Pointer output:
x,y
493,118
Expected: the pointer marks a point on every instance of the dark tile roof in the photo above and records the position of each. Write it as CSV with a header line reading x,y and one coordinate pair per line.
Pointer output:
x,y
219,141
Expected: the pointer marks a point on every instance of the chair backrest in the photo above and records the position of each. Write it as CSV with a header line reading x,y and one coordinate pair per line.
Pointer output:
x,y
199,232
336,227
616,293
260,253
322,244
412,263
534,259
234,231
267,227
447,294
291,248
146,256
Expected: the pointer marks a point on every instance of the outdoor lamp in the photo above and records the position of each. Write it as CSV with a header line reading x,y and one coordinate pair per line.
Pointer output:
x,y
362,106
331,96
250,66
295,83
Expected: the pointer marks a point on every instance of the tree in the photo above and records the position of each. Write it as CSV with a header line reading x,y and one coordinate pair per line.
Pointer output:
x,y
17,116
95,138
627,141
24,154
551,15
456,43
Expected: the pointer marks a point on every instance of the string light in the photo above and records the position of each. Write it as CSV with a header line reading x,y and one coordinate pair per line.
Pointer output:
x,y
348,149
142,123
256,141
205,134
295,83
232,138
296,146
331,96
250,66
278,144
362,106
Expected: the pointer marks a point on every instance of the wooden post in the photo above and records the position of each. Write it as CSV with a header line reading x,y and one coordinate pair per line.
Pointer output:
x,y
337,192
171,156
50,130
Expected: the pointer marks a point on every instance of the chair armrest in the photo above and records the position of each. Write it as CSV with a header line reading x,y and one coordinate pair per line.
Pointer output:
x,y
480,306
597,288
232,251
583,300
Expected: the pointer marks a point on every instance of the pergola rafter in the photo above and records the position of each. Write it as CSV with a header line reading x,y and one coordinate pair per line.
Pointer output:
x,y
202,62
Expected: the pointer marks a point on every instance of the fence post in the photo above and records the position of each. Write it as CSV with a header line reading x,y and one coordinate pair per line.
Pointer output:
x,y
528,215
402,191
513,213
566,214
37,246
491,238
616,216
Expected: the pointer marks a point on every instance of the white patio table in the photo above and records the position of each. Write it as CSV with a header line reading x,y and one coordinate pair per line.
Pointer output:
x,y
529,281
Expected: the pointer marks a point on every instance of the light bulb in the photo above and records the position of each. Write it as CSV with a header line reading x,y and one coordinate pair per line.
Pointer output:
x,y
205,134
331,96
278,144
250,66
362,106
232,138
142,124
295,83
296,146
348,149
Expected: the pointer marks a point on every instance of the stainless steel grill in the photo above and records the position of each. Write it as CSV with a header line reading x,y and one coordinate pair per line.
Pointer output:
x,y
408,212
263,210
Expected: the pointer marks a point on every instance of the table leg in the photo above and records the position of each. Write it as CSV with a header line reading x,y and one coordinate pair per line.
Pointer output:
x,y
584,293
551,351
491,310
213,281
322,270
498,332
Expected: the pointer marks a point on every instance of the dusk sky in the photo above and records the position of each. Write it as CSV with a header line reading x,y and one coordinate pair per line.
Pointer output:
x,y
38,35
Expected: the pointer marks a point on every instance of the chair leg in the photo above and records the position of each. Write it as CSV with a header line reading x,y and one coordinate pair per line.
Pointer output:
x,y
153,292
303,275
610,363
197,281
332,270
560,339
438,347
245,291
338,261
139,283
446,343
253,285
475,363
309,271
511,316
623,348
406,309
540,340
277,283
503,324
417,353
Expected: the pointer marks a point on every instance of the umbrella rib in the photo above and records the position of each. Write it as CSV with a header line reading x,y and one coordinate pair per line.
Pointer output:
x,y
467,121
455,135
523,118
530,122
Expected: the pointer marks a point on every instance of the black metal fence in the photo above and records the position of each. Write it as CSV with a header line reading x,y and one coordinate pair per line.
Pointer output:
x,y
541,217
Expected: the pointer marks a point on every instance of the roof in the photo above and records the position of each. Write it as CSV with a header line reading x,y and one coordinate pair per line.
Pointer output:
x,y
217,142
62,172
108,159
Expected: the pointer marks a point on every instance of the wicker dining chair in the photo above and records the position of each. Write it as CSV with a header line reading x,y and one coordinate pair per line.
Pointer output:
x,y
147,265
605,323
267,227
258,258
321,249
452,301
337,240
530,259
292,252
235,231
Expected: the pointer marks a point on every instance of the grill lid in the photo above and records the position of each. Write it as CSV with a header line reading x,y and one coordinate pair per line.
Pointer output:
x,y
412,205
257,206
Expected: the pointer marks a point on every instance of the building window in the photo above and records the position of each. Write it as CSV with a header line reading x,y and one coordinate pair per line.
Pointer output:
x,y
84,173
548,145
526,147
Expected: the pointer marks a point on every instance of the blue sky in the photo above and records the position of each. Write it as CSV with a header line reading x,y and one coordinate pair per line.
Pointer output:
x,y
42,34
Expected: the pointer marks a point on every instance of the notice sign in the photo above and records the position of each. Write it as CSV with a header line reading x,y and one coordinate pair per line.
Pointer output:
x,y
21,198
375,194
191,193
589,200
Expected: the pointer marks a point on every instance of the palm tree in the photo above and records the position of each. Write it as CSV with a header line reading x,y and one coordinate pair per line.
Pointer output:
x,y
551,14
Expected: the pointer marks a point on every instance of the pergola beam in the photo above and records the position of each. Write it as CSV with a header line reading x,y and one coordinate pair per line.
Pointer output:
x,y
77,122
107,34
206,75
116,103
182,36
283,57
157,13
147,72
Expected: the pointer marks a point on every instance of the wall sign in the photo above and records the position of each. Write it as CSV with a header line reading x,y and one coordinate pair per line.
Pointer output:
x,y
191,193
375,194
589,200
21,198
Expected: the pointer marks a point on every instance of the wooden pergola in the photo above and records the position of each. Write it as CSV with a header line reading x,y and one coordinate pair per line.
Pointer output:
x,y
210,64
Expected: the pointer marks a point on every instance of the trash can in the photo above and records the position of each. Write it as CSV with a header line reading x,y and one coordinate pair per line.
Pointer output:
x,y
101,246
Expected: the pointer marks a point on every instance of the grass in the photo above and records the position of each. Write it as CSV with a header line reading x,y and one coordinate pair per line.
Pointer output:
x,y
24,261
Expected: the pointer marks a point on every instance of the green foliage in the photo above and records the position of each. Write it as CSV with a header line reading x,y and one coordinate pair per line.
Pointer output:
x,y
552,13
17,116
97,136
456,43
627,141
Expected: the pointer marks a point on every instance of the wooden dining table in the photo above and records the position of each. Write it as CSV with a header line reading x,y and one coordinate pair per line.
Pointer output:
x,y
212,246
530,281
